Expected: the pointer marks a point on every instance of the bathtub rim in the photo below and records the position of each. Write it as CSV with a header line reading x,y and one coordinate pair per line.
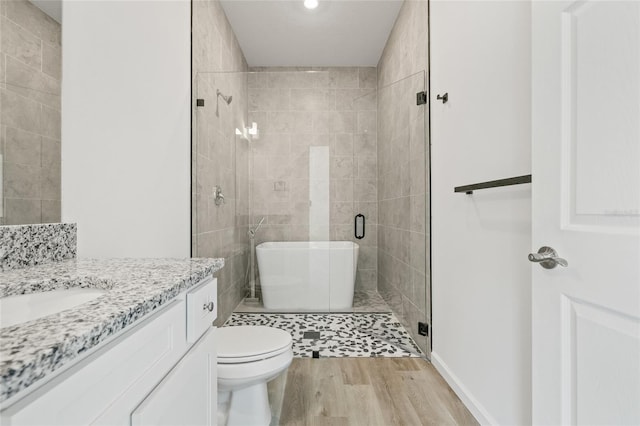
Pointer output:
x,y
308,245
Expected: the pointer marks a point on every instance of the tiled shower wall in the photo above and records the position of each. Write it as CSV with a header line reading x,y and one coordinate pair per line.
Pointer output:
x,y
403,209
30,77
218,157
296,109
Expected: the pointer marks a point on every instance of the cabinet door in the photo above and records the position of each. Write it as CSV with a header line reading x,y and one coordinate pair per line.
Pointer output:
x,y
106,385
188,394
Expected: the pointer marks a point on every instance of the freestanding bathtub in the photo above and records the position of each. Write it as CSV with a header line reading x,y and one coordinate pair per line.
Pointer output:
x,y
307,275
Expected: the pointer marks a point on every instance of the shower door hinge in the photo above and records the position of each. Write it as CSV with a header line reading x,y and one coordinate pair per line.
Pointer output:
x,y
423,328
421,98
200,102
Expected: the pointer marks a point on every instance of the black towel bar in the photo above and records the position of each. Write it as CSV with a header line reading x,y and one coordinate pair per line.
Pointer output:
x,y
468,189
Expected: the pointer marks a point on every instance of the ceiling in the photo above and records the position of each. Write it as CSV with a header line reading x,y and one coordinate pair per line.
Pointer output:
x,y
336,33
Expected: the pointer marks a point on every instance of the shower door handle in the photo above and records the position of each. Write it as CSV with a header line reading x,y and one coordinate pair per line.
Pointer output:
x,y
359,226
547,258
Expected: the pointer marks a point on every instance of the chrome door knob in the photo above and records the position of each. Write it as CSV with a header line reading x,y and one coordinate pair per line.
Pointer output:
x,y
547,258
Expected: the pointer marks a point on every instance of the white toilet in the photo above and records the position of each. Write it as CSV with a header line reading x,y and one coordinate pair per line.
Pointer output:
x,y
248,358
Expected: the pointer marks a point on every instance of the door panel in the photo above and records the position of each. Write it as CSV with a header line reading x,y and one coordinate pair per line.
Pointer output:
x,y
586,205
601,114
593,372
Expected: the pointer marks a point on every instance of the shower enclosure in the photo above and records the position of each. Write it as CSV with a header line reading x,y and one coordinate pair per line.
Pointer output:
x,y
312,153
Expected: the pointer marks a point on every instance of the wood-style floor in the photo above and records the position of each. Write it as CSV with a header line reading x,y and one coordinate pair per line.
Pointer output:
x,y
369,391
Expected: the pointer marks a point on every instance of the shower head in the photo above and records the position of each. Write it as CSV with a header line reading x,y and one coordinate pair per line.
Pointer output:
x,y
225,98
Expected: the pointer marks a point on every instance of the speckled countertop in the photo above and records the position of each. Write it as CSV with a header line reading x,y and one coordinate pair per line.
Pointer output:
x,y
134,287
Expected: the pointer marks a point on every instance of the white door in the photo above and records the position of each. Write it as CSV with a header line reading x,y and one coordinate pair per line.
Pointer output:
x,y
586,205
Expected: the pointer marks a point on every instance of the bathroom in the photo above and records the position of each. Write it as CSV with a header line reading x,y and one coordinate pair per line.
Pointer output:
x,y
216,129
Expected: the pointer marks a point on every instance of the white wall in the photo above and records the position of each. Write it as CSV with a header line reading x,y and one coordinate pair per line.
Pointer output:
x,y
480,55
126,127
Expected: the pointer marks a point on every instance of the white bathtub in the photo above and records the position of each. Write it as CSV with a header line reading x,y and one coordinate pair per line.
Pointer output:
x,y
307,275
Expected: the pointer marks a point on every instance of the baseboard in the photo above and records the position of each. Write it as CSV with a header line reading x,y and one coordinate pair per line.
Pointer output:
x,y
478,411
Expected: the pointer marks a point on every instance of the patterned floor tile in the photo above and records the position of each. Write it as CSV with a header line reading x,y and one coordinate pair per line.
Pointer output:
x,y
341,334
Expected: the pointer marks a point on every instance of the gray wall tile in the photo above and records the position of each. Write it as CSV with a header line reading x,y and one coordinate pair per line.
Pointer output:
x,y
22,147
22,181
50,183
37,22
52,60
20,211
50,211
20,112
30,57
20,44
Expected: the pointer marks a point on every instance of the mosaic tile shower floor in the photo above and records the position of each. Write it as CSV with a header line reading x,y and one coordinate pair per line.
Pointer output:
x,y
341,335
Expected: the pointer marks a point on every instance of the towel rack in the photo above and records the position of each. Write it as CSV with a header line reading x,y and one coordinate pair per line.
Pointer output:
x,y
468,189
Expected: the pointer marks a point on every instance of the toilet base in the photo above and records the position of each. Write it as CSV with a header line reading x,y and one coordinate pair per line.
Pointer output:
x,y
245,407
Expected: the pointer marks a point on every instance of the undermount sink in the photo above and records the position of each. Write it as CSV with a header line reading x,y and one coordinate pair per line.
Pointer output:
x,y
27,307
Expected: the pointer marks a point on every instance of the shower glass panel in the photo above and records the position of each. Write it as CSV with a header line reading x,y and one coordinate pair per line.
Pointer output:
x,y
291,166
403,205
220,181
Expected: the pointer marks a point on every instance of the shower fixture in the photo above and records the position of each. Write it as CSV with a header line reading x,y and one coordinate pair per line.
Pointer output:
x,y
251,266
224,97
227,99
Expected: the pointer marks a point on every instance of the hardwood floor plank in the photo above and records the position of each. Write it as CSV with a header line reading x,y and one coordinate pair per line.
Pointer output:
x,y
354,373
369,410
328,421
387,384
424,400
330,392
369,391
296,401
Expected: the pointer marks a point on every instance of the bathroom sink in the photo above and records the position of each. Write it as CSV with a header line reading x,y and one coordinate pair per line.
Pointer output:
x,y
27,307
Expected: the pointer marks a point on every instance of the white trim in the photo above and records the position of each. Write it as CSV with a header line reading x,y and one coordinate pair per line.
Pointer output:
x,y
478,411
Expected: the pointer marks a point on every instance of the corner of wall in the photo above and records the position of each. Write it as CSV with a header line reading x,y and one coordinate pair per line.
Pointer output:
x,y
475,407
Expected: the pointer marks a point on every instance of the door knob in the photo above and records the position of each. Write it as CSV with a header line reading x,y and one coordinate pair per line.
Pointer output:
x,y
547,258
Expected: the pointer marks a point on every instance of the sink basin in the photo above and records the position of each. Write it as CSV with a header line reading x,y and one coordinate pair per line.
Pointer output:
x,y
27,307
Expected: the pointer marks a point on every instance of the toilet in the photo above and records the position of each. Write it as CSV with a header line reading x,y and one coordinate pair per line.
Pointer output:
x,y
248,358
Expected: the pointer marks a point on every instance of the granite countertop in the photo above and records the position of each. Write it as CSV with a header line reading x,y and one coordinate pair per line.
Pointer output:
x,y
134,288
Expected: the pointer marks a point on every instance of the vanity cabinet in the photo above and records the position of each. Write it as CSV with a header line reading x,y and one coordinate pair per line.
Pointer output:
x,y
149,374
188,394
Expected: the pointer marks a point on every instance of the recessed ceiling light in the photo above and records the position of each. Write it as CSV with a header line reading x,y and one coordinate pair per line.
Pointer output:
x,y
310,4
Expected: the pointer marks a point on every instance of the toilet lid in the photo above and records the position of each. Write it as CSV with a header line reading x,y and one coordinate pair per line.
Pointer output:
x,y
246,343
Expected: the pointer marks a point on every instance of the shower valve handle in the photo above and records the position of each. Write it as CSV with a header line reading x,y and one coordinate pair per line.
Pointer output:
x,y
219,197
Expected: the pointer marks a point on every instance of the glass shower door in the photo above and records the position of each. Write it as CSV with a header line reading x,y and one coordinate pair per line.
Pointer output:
x,y
403,205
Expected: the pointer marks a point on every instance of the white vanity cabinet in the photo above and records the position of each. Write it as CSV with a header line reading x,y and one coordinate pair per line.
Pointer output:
x,y
149,374
188,394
